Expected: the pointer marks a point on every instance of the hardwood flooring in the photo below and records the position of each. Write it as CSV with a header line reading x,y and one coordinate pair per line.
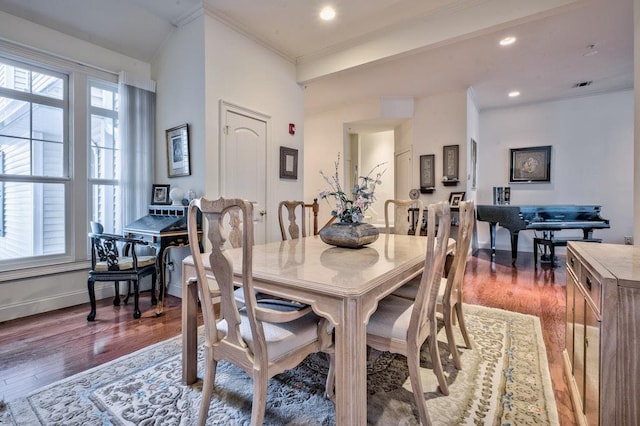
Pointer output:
x,y
44,348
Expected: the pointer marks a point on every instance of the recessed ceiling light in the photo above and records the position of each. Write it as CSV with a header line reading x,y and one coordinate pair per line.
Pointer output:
x,y
507,41
327,13
514,94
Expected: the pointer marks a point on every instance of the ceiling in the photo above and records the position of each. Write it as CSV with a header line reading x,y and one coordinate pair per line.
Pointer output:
x,y
545,63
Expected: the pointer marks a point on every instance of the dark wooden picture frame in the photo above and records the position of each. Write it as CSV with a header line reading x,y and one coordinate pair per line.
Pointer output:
x,y
530,165
178,163
288,163
427,173
160,194
455,198
450,163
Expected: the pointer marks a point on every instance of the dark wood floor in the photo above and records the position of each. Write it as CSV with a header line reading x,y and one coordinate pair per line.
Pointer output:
x,y
44,348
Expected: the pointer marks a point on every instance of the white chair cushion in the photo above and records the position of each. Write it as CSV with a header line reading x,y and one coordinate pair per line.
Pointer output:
x,y
391,319
126,262
281,338
410,289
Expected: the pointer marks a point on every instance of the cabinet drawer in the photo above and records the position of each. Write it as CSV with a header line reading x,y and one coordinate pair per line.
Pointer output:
x,y
573,263
592,287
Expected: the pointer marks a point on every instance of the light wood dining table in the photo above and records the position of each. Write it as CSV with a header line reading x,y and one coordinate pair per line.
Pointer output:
x,y
341,284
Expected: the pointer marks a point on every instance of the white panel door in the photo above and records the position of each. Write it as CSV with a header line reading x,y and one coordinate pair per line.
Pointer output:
x,y
244,168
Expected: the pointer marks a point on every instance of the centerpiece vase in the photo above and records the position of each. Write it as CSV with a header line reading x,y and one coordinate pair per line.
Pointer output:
x,y
350,235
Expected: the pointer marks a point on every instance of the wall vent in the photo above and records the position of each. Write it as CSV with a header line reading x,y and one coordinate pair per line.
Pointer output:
x,y
583,84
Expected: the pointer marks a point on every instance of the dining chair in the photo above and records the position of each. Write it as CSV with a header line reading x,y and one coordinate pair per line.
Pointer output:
x,y
400,325
262,338
294,210
115,258
402,223
449,301
311,211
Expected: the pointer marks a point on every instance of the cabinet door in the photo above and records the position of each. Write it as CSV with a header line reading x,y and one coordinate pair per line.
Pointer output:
x,y
570,312
592,367
578,343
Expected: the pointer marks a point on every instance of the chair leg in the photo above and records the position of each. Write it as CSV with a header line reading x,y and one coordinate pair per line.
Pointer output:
x,y
329,391
207,385
136,300
436,361
463,326
260,382
448,316
413,362
126,298
116,297
92,300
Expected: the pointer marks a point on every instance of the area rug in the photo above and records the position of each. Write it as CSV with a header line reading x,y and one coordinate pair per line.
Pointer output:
x,y
504,381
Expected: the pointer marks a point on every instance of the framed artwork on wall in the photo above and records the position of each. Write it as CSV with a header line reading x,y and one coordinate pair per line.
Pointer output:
x,y
288,163
529,165
450,155
178,151
427,173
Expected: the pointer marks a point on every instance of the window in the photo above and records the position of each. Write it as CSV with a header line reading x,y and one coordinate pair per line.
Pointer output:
x,y
104,156
34,166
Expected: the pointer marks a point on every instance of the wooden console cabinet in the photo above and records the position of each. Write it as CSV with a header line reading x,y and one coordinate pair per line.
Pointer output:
x,y
602,351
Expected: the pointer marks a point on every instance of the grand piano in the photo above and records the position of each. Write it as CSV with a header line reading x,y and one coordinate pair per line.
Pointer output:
x,y
547,219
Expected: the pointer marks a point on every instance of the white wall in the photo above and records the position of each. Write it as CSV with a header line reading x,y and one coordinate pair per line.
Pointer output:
x,y
377,148
591,159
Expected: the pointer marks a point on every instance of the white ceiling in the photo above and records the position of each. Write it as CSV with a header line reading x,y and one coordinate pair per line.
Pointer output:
x,y
545,63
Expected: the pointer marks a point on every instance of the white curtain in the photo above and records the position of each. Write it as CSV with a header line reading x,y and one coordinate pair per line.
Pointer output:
x,y
137,136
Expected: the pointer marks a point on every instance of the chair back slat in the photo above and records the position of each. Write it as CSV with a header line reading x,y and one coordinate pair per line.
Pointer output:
x,y
294,210
437,243
402,223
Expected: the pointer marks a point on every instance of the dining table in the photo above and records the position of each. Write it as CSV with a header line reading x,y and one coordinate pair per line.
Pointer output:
x,y
343,285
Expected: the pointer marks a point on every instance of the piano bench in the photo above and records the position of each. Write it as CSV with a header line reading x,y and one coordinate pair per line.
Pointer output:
x,y
551,244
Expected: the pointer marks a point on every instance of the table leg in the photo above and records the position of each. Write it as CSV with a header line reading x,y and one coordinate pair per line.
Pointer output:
x,y
351,367
492,232
189,330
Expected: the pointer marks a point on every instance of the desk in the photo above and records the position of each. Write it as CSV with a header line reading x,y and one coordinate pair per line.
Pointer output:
x,y
341,284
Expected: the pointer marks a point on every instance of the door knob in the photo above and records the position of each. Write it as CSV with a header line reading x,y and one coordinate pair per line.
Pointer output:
x,y
262,212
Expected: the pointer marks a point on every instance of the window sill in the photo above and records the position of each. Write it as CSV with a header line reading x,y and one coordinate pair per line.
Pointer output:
x,y
40,271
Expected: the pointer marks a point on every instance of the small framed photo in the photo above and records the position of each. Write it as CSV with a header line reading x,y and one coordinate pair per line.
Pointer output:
x,y
427,173
160,194
530,165
455,198
178,151
288,163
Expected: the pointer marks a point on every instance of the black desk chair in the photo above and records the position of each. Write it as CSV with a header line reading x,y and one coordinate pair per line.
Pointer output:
x,y
108,265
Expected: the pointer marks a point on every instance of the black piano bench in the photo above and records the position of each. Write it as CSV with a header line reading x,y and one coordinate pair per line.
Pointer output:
x,y
550,244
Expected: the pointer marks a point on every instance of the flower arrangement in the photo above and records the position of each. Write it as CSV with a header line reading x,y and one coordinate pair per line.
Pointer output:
x,y
351,210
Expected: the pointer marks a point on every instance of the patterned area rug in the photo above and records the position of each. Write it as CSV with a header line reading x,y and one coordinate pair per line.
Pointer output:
x,y
504,381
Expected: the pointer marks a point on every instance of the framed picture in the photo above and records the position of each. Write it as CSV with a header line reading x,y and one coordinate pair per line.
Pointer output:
x,y
288,163
160,194
427,173
474,164
530,164
455,198
450,162
178,151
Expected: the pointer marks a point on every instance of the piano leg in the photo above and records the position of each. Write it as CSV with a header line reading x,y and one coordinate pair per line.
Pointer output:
x,y
514,247
492,232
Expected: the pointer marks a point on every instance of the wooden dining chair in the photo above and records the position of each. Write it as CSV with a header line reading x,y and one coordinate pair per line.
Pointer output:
x,y
402,223
262,338
401,325
289,228
449,300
